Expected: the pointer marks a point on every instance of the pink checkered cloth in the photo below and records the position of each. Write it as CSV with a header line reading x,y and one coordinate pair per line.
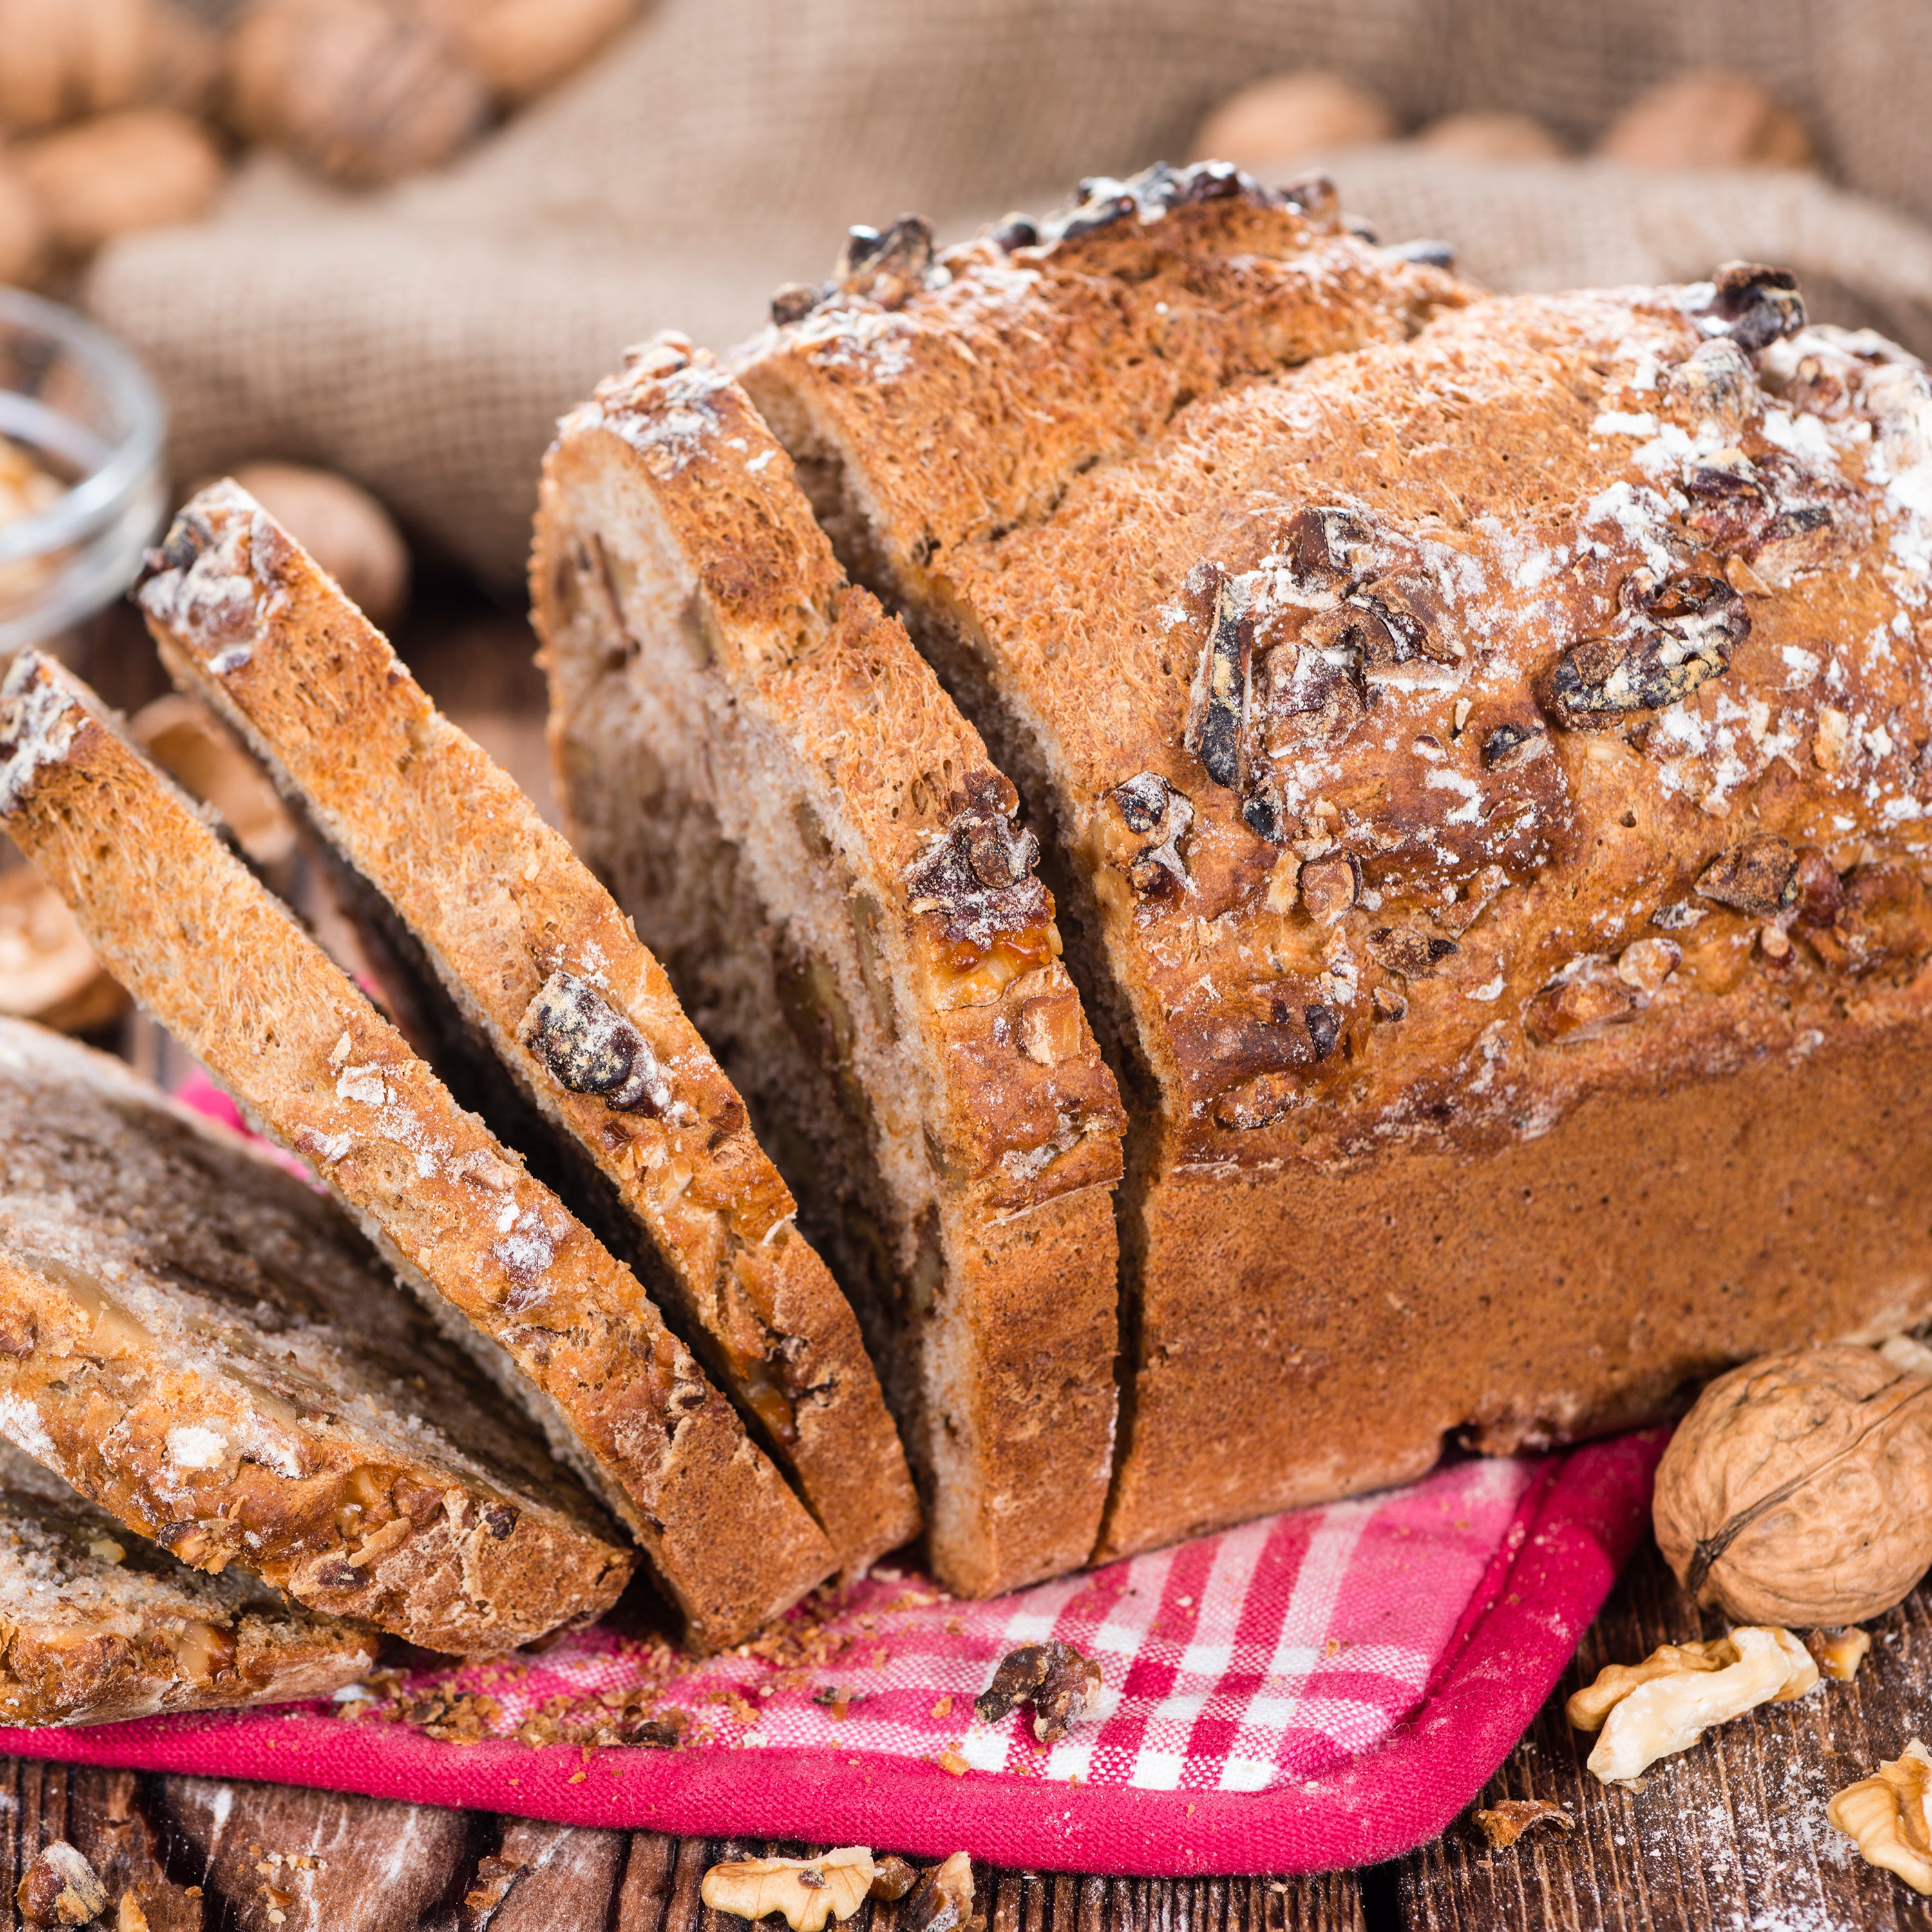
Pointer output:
x,y
1321,1689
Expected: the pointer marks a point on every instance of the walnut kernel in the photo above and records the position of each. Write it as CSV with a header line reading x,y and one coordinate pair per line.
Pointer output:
x,y
1838,1654
807,1892
1889,1815
1668,1712
60,1887
1058,1681
1504,1822
942,1900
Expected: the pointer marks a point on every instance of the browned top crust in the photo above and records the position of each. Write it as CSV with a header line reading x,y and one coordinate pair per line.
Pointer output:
x,y
182,923
540,961
1470,723
193,1339
964,391
1025,1112
97,1624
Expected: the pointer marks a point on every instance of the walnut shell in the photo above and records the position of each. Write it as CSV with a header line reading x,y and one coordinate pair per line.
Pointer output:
x,y
59,58
1709,121
145,167
523,48
1290,115
352,88
343,527
1493,135
23,228
48,971
1798,1489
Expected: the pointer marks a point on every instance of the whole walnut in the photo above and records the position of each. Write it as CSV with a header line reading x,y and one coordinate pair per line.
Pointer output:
x,y
145,167
354,88
1292,115
1496,135
343,527
59,58
1709,121
1798,1489
522,47
23,227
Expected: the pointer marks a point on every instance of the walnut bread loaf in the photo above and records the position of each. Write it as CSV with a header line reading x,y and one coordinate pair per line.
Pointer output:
x,y
501,952
564,1329
1484,775
100,1624
815,843
203,1348
1481,750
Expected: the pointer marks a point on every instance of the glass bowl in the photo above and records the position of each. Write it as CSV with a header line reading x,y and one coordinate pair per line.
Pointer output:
x,y
82,486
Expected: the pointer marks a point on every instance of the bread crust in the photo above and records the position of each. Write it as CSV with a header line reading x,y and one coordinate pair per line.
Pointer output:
x,y
1013,1137
963,400
99,1625
199,1346
500,903
1474,731
182,924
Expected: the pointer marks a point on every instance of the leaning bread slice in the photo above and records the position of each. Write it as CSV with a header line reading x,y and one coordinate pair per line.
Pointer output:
x,y
565,1329
815,842
201,1346
515,957
102,1623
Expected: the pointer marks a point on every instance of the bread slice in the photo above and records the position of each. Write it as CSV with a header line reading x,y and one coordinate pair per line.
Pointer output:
x,y
564,1328
100,1623
199,1344
928,401
816,845
515,957
1485,772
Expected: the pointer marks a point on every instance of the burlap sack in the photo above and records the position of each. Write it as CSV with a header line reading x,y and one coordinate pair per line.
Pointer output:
x,y
425,339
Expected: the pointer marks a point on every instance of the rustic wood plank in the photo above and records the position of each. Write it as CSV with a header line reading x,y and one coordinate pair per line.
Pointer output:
x,y
1732,1833
378,1866
197,1854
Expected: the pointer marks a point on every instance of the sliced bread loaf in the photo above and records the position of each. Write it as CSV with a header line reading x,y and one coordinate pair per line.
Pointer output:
x,y
199,1345
510,955
815,843
564,1329
96,1623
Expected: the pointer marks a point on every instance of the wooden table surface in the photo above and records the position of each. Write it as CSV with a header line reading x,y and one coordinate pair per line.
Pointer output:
x,y
1731,1837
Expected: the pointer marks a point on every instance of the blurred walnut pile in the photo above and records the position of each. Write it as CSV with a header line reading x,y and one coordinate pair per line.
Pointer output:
x,y
1708,120
120,115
